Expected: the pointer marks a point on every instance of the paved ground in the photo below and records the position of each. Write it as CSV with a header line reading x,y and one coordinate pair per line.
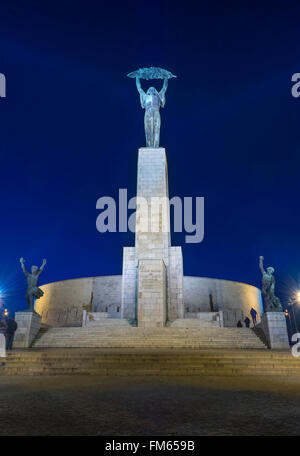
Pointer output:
x,y
83,405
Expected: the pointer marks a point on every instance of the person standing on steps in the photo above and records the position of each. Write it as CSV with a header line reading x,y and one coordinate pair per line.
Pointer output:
x,y
11,327
253,314
247,322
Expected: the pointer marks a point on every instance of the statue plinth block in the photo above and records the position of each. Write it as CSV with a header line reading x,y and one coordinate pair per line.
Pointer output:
x,y
152,241
29,324
152,238
274,327
151,293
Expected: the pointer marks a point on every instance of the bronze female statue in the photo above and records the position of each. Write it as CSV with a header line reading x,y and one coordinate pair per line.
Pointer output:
x,y
152,101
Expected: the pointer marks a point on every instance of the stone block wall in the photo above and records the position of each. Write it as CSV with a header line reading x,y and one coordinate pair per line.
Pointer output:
x,y
151,293
235,299
129,284
175,284
106,295
29,324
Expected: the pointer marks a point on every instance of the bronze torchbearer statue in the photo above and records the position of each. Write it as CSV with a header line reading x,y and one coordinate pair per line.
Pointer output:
x,y
33,292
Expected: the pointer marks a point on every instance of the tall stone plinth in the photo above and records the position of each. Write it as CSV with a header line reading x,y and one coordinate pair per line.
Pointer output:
x,y
274,327
29,324
175,307
152,302
152,238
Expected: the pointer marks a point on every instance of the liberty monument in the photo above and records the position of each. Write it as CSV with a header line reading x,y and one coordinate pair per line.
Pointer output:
x,y
152,101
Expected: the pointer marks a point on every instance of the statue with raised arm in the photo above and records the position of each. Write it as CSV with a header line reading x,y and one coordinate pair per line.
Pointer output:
x,y
152,101
272,303
33,292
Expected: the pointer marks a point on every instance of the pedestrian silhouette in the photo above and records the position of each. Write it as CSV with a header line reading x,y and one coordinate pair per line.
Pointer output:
x,y
253,314
239,324
247,322
11,327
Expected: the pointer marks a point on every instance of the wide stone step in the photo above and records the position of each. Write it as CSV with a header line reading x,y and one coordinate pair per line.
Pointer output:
x,y
151,330
151,370
148,342
205,321
157,355
173,362
148,336
158,338
96,354
145,343
143,335
174,332
157,334
108,322
138,363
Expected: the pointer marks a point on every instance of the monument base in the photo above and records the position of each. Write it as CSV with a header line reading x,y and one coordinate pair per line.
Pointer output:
x,y
29,324
274,327
152,293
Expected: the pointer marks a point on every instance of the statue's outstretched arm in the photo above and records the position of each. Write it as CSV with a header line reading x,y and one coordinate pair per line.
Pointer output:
x,y
22,261
42,267
261,264
138,85
162,93
164,87
141,92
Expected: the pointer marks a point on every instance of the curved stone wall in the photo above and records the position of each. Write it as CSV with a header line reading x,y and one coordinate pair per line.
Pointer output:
x,y
235,299
63,302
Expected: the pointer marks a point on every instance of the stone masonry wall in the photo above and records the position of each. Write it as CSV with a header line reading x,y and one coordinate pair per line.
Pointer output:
x,y
63,301
151,293
235,298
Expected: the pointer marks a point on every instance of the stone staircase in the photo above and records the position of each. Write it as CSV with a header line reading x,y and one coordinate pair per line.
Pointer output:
x,y
150,362
137,337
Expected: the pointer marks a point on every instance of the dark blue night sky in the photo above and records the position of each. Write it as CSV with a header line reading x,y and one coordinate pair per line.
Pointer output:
x,y
71,126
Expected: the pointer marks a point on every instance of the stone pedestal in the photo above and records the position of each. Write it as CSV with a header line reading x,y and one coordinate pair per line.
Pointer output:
x,y
152,242
151,293
274,327
2,346
29,324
